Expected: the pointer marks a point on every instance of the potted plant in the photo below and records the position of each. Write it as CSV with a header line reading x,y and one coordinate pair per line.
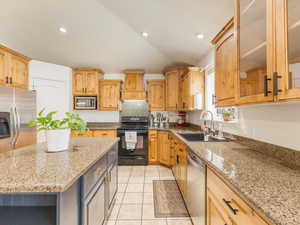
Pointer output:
x,y
227,116
58,131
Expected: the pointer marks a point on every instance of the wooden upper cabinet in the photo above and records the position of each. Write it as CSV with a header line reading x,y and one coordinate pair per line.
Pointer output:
x,y
192,84
255,28
3,67
185,91
19,72
288,50
225,65
92,78
13,68
156,95
86,81
79,82
134,85
172,78
182,85
109,95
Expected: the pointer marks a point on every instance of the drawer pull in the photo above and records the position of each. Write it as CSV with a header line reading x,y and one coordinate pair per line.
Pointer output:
x,y
228,203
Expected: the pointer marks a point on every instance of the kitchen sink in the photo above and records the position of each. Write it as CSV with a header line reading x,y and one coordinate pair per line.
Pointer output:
x,y
200,137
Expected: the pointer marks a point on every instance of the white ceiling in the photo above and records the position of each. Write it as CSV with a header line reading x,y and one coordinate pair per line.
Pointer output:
x,y
173,24
106,33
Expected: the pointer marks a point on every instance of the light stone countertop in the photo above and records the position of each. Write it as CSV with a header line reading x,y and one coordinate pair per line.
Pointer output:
x,y
269,187
32,170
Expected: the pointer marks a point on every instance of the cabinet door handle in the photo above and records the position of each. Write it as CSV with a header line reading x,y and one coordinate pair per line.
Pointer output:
x,y
11,80
266,89
7,79
214,99
275,83
228,203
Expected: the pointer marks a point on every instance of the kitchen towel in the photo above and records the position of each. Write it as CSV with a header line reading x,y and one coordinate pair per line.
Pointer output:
x,y
130,139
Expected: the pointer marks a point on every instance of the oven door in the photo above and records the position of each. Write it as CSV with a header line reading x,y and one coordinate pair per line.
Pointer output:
x,y
137,156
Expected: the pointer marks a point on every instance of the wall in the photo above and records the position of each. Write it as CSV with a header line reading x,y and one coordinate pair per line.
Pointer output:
x,y
53,88
276,123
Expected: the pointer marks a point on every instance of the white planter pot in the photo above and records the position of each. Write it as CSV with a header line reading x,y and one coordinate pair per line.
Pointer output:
x,y
58,140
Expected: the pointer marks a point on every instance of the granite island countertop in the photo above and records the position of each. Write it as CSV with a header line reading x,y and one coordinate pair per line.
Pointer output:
x,y
32,170
269,187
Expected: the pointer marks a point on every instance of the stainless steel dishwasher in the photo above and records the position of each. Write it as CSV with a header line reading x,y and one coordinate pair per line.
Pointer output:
x,y
196,189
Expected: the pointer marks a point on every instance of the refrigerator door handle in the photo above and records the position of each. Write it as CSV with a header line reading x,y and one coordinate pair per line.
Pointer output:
x,y
18,125
13,126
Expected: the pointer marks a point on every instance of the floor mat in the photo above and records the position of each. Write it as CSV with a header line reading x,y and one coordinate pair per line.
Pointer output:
x,y
168,201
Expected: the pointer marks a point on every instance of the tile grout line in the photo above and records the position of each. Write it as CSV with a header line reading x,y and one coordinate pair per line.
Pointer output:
x,y
121,202
142,213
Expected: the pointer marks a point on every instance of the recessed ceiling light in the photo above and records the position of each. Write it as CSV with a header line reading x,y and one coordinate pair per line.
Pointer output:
x,y
145,34
63,30
200,36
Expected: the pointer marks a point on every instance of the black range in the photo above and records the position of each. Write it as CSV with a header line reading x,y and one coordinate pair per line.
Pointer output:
x,y
138,155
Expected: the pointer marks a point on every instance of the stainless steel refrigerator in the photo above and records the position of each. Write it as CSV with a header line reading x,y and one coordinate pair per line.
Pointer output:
x,y
17,108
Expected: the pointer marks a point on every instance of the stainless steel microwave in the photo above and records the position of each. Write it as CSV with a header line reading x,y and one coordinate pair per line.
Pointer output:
x,y
86,102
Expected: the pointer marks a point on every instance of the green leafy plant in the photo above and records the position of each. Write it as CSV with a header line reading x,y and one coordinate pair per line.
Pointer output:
x,y
227,113
46,122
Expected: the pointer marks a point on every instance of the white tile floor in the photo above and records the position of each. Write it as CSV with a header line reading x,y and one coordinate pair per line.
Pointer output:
x,y
134,200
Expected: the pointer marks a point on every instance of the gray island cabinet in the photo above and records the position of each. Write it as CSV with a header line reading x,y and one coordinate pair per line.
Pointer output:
x,y
75,187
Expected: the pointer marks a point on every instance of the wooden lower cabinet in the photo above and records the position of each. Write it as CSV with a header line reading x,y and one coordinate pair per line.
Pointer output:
x,y
224,206
179,167
96,133
88,133
159,148
182,163
216,215
163,148
152,147
105,133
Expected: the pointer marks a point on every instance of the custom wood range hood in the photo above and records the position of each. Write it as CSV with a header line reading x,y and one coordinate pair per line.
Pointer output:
x,y
134,85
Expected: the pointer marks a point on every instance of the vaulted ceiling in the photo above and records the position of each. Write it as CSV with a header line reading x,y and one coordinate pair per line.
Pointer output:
x,y
107,33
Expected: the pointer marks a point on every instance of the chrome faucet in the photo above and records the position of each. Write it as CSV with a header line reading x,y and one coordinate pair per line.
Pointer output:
x,y
211,127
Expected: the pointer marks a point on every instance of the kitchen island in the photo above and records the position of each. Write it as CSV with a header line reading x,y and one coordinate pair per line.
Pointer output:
x,y
37,187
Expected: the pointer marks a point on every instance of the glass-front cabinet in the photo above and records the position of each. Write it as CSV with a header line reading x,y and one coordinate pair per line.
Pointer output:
x,y
255,34
268,34
288,49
